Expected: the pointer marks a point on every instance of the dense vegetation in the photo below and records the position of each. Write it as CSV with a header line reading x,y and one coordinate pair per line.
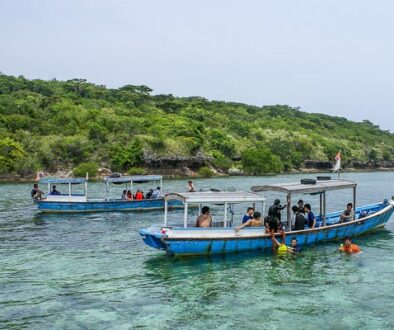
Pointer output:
x,y
56,125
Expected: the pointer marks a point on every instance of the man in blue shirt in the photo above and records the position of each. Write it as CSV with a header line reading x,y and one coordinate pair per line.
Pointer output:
x,y
248,215
310,216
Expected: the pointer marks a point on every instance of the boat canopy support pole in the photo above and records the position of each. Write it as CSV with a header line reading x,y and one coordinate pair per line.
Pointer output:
x,y
354,203
107,190
165,212
69,189
225,215
321,206
324,209
185,216
288,201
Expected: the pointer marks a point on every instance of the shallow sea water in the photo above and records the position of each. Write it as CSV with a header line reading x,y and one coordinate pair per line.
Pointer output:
x,y
93,271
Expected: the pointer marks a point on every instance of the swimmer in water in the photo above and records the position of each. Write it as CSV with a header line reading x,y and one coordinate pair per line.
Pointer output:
x,y
282,248
348,247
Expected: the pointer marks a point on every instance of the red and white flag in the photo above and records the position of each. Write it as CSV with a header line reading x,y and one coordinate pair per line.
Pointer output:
x,y
338,161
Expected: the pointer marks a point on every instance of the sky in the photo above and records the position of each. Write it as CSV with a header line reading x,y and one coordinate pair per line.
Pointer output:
x,y
334,57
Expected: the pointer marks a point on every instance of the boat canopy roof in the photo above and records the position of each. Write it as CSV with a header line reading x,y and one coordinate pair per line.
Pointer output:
x,y
215,197
133,178
62,180
299,188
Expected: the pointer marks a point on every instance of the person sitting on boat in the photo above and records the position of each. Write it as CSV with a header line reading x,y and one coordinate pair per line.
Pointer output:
x,y
254,222
281,248
349,247
124,194
248,215
205,219
36,193
139,194
363,214
54,191
274,215
298,220
348,214
156,193
149,194
310,217
129,195
190,186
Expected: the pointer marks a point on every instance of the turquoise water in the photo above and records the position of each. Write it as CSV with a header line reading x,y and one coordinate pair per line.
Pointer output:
x,y
92,271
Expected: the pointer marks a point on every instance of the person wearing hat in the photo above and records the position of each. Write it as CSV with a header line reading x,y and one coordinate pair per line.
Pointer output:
x,y
274,215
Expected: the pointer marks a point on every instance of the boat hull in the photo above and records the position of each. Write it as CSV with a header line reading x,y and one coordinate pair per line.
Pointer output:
x,y
49,206
195,241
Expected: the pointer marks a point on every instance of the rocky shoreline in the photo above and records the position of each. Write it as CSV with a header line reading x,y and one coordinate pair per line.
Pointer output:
x,y
184,168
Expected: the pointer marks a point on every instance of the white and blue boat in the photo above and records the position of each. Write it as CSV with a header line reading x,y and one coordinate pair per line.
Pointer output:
x,y
186,240
71,201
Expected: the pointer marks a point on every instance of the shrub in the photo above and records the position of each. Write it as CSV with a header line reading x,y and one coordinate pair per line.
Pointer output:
x,y
123,157
90,167
10,152
205,172
221,161
261,161
136,171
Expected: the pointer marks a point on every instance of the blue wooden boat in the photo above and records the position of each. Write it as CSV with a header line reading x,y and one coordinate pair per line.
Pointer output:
x,y
182,240
71,201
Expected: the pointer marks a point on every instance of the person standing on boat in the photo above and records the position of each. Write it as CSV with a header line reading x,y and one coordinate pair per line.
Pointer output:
x,y
205,219
348,247
298,221
254,222
248,215
348,214
310,217
190,186
301,206
36,193
274,215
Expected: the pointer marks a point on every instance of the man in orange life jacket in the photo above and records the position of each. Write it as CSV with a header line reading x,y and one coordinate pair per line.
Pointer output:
x,y
348,247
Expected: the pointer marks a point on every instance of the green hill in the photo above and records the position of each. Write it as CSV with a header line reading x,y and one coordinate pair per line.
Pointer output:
x,y
56,125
